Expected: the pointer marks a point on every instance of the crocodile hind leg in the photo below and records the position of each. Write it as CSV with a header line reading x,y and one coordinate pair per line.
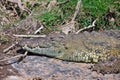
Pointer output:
x,y
107,67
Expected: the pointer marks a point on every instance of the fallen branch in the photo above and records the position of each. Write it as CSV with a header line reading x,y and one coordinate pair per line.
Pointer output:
x,y
77,10
63,2
11,58
21,57
29,35
85,28
39,29
70,26
10,47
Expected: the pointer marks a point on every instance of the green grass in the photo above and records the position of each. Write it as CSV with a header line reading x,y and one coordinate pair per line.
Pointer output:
x,y
96,8
58,14
91,9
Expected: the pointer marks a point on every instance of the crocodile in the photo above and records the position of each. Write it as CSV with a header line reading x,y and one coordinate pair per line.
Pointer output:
x,y
83,47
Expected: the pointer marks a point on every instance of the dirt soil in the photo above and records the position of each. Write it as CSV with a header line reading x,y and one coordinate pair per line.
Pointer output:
x,y
35,67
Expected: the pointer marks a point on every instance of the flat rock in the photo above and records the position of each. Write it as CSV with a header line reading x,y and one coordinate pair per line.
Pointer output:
x,y
54,69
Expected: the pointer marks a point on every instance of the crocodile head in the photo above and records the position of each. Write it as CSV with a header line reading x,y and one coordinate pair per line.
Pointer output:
x,y
48,41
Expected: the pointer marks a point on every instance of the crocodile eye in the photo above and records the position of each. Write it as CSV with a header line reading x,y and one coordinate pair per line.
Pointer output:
x,y
59,51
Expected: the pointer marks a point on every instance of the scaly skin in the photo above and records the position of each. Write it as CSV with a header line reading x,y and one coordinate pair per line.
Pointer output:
x,y
83,47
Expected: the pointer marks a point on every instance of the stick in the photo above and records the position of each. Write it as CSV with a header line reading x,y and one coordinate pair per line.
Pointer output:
x,y
77,10
90,26
62,2
29,35
38,30
70,27
7,49
21,57
11,58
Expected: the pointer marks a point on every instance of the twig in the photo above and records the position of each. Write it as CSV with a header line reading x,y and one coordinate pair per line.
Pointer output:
x,y
85,28
77,10
7,49
11,58
29,35
38,30
62,2
21,57
70,27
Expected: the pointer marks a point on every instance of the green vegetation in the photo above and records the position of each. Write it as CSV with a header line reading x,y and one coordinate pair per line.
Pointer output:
x,y
91,10
99,9
58,14
96,8
61,14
